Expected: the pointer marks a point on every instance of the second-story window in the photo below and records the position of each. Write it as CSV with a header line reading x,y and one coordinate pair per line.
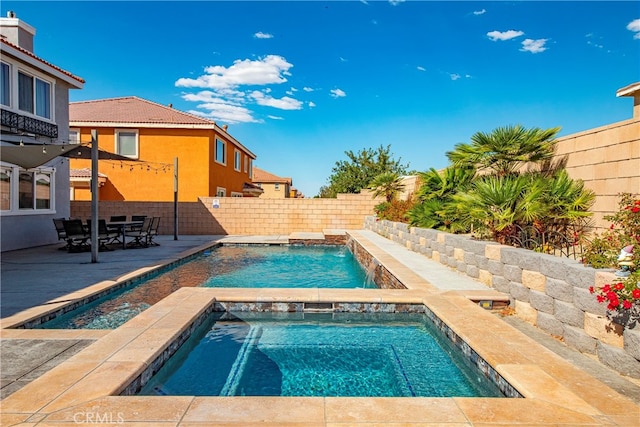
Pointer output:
x,y
221,152
34,95
127,143
5,85
236,162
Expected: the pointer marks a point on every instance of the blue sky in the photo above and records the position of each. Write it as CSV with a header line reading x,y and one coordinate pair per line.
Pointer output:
x,y
299,83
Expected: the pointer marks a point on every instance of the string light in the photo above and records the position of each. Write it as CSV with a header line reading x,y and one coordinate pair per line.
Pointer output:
x,y
44,149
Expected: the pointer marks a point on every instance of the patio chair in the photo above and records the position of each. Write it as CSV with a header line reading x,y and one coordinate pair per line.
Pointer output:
x,y
58,223
140,235
105,236
76,235
134,218
116,228
153,231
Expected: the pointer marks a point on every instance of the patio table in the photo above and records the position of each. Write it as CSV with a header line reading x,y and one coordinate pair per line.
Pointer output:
x,y
122,225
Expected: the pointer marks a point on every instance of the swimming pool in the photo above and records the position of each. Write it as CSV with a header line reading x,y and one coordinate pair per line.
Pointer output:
x,y
311,354
245,266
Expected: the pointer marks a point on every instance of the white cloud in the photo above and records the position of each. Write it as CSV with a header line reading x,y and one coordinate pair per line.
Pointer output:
x,y
504,35
275,117
635,27
271,69
261,35
343,59
338,93
480,12
284,103
307,89
421,68
396,2
223,99
454,76
312,104
534,46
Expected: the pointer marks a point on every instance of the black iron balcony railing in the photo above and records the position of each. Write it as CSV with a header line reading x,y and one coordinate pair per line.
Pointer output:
x,y
18,123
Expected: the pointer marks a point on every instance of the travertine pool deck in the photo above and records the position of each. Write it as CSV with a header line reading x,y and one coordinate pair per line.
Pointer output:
x,y
84,388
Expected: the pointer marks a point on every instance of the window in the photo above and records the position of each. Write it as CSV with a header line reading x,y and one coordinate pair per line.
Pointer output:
x,y
127,143
221,192
74,136
34,190
24,191
5,85
276,187
246,163
5,189
237,158
236,194
34,95
221,148
250,168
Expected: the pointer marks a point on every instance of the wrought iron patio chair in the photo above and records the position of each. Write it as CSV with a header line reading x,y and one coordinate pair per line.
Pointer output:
x,y
62,235
153,231
77,236
140,235
105,236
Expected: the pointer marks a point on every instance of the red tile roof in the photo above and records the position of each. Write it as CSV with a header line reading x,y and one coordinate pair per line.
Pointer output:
x,y
131,109
83,173
26,52
260,175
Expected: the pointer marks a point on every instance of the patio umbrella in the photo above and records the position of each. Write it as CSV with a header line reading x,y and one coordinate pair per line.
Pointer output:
x,y
32,156
84,152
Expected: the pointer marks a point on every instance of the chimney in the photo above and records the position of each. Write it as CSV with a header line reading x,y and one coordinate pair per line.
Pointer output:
x,y
170,105
225,127
17,32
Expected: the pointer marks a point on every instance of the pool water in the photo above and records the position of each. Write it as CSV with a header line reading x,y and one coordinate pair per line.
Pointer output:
x,y
225,266
302,354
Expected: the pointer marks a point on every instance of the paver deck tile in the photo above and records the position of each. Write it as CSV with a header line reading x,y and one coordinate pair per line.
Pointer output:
x,y
256,410
392,410
41,391
149,409
533,382
515,412
107,379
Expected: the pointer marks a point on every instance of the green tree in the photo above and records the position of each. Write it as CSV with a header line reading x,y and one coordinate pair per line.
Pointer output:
x,y
435,207
357,173
387,185
506,149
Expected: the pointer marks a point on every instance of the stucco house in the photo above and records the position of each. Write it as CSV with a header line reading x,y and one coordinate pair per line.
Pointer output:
x,y
34,103
274,187
211,162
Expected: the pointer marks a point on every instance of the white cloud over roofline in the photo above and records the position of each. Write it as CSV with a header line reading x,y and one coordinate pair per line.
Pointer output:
x,y
479,12
271,69
284,103
504,35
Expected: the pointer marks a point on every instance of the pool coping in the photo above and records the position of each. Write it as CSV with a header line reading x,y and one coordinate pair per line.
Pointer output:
x,y
86,385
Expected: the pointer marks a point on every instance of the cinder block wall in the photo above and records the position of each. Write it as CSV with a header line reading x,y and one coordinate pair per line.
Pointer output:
x,y
549,292
238,215
607,159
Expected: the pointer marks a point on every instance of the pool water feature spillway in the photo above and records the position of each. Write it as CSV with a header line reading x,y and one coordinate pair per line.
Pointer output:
x,y
311,354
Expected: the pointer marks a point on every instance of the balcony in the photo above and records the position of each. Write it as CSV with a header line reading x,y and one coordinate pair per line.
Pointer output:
x,y
18,123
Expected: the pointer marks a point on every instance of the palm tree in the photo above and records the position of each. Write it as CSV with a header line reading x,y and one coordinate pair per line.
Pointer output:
x,y
387,184
506,149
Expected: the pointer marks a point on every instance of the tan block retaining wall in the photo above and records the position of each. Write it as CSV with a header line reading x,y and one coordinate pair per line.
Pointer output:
x,y
547,291
244,216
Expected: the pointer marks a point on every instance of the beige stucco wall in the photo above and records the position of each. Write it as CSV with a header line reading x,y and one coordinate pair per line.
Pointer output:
x,y
270,191
607,159
246,216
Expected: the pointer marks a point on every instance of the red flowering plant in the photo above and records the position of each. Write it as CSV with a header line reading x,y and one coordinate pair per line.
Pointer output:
x,y
619,247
